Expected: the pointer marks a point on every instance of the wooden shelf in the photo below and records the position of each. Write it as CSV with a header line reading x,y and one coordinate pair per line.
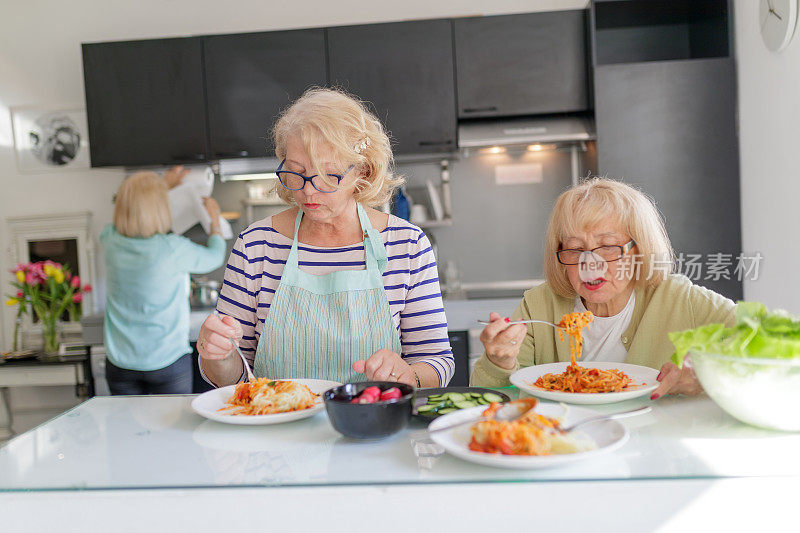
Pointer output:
x,y
262,201
445,222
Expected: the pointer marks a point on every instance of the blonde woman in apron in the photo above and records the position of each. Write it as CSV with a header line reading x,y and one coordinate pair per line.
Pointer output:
x,y
330,288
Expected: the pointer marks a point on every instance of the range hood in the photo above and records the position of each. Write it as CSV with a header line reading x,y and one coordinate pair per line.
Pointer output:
x,y
530,130
248,169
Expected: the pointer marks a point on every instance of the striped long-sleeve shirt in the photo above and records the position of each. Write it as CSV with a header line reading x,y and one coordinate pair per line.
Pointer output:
x,y
411,282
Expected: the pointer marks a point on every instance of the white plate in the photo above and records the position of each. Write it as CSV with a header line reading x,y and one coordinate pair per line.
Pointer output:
x,y
209,403
643,377
607,435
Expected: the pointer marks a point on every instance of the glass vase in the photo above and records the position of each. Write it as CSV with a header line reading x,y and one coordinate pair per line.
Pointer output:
x,y
50,333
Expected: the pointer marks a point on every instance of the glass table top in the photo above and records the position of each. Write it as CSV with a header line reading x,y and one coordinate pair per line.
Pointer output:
x,y
158,441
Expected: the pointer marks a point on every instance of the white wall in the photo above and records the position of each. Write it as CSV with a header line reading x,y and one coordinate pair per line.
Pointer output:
x,y
40,64
769,136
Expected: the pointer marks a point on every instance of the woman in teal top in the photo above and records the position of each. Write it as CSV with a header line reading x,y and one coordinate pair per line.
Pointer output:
x,y
147,302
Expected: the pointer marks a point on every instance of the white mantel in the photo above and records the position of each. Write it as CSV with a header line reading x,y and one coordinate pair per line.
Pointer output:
x,y
24,229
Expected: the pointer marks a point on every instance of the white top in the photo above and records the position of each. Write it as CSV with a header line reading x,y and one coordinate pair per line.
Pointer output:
x,y
602,340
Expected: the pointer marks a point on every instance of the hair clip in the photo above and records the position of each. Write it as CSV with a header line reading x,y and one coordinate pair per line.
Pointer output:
x,y
362,145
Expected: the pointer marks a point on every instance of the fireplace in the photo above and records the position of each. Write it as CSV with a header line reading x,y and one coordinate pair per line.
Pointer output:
x,y
64,238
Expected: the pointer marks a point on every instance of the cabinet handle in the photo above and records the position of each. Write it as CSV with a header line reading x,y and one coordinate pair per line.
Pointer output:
x,y
189,157
239,153
436,143
479,109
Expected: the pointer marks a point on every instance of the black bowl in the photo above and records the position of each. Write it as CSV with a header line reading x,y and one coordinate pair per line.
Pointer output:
x,y
368,420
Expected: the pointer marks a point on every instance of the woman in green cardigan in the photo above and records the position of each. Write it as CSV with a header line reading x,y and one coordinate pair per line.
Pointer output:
x,y
607,252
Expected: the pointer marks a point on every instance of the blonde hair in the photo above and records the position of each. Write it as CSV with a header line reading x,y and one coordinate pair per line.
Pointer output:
x,y
332,118
141,208
599,200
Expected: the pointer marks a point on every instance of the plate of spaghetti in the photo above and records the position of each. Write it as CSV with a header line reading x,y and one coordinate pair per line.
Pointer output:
x,y
589,382
533,441
264,401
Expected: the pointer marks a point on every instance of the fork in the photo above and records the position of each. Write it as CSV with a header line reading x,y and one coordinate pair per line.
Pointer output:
x,y
486,322
250,376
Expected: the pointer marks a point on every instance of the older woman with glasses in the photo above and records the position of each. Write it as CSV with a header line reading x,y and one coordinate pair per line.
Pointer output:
x,y
606,252
331,288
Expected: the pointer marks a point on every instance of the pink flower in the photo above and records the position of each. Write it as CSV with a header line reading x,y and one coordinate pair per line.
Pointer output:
x,y
75,282
31,278
77,298
20,295
87,288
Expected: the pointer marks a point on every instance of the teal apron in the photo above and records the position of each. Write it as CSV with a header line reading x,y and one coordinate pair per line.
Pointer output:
x,y
318,326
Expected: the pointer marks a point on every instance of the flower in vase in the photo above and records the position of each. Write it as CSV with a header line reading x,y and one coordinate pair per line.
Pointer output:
x,y
12,301
77,298
20,274
75,282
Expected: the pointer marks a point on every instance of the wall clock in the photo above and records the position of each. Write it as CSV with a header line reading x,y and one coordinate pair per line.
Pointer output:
x,y
777,19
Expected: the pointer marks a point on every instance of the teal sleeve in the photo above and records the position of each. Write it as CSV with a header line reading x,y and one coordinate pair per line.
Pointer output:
x,y
196,258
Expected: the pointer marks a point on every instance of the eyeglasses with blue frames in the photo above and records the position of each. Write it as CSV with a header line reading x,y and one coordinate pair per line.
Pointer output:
x,y
572,256
294,181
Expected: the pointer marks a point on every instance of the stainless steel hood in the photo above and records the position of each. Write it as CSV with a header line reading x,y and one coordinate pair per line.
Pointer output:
x,y
248,169
531,130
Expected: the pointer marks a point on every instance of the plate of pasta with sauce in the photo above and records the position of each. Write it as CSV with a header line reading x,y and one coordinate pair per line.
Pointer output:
x,y
586,383
591,383
264,401
533,441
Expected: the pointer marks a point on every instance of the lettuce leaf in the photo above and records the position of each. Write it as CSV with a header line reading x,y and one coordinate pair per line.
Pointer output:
x,y
758,333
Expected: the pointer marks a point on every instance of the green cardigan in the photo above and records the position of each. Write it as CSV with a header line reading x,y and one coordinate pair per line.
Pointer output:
x,y
674,305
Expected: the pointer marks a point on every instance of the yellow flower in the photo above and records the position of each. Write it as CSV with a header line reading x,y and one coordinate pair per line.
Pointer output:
x,y
58,274
20,276
48,270
12,301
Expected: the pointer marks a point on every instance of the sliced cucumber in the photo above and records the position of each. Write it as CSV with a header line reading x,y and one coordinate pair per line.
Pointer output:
x,y
465,404
448,410
483,401
491,397
426,408
455,396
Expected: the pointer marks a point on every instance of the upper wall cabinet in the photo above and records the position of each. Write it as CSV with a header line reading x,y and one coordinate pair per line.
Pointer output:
x,y
145,102
250,78
522,64
631,31
405,70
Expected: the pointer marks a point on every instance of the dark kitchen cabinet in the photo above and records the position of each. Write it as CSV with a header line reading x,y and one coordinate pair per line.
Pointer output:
x,y
632,31
250,78
669,127
405,70
524,64
459,343
145,102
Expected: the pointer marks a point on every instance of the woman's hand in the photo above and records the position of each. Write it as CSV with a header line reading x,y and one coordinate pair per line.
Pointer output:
x,y
175,175
385,365
213,340
676,380
502,342
212,208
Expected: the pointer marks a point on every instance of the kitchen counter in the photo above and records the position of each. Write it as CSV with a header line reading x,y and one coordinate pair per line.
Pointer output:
x,y
464,314
461,315
158,443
